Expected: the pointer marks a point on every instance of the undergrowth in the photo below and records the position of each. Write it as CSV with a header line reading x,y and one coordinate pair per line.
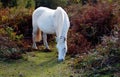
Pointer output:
x,y
19,20
103,60
15,25
90,23
94,36
10,53
96,31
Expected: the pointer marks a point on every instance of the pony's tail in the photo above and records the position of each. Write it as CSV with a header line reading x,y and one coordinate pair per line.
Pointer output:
x,y
36,30
38,37
59,18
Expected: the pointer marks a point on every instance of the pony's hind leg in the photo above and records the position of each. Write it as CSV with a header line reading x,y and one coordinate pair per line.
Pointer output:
x,y
34,34
45,41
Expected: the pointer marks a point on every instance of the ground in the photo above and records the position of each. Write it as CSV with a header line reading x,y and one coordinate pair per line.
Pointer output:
x,y
34,63
37,64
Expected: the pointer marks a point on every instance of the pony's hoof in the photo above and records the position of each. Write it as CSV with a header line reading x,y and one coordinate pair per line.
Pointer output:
x,y
34,48
60,60
47,50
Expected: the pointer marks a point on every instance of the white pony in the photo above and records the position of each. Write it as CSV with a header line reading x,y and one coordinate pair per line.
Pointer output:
x,y
51,21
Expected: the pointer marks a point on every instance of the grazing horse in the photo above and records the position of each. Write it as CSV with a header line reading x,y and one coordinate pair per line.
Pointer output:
x,y
51,21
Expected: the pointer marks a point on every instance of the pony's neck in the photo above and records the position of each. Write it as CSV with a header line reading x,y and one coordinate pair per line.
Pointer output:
x,y
65,26
63,33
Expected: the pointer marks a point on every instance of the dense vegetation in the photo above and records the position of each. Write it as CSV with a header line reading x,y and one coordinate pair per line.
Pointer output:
x,y
97,28
93,38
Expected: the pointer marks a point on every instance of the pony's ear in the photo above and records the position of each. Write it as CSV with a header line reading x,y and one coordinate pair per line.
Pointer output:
x,y
38,37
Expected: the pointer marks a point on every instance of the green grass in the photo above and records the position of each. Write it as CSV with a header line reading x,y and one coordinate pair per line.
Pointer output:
x,y
36,64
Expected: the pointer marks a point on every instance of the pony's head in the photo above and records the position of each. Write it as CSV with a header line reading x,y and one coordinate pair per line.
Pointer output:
x,y
62,48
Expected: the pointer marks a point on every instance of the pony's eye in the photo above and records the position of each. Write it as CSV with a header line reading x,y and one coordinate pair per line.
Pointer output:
x,y
63,38
64,48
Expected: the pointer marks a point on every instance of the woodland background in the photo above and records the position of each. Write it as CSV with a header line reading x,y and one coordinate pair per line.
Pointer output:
x,y
93,38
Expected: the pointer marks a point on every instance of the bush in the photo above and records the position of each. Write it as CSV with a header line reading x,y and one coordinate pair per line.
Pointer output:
x,y
10,53
104,59
15,25
99,25
92,23
12,35
77,43
19,20
9,49
95,21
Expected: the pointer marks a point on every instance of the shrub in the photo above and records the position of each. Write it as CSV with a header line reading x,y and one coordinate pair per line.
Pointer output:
x,y
4,15
2,31
10,32
9,49
16,27
92,23
104,59
95,21
10,53
19,20
77,43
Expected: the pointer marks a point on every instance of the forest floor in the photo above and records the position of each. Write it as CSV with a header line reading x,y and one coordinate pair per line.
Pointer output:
x,y
37,64
40,63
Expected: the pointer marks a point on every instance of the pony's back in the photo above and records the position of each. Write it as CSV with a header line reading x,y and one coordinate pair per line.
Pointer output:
x,y
38,12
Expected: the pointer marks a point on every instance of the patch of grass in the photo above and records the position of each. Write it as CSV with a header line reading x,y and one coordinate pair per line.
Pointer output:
x,y
36,64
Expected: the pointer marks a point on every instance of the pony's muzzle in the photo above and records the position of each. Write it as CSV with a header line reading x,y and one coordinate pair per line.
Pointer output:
x,y
60,60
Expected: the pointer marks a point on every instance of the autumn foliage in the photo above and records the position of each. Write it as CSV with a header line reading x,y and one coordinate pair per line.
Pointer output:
x,y
89,24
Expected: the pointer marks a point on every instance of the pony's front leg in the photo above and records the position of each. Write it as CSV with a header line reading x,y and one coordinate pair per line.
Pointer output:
x,y
45,41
